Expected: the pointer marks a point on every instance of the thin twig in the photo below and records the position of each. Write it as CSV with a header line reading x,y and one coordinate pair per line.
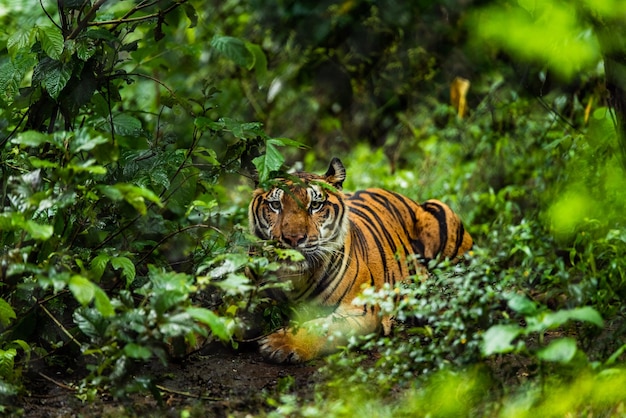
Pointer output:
x,y
187,394
56,382
58,324
125,19
85,21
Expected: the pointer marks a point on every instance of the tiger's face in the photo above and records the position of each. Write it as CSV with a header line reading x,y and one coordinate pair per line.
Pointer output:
x,y
307,214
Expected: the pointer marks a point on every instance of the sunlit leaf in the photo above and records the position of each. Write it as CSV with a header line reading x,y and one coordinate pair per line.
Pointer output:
x,y
7,363
562,350
98,264
7,314
103,303
52,41
82,289
521,304
127,267
32,139
499,339
38,231
85,142
21,38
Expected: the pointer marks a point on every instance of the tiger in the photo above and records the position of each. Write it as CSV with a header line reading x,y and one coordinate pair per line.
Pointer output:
x,y
348,241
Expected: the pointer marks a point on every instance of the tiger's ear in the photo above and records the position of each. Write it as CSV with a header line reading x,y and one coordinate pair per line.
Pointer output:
x,y
336,173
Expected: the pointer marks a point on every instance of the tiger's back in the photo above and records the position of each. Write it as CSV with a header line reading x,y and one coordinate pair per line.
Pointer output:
x,y
349,241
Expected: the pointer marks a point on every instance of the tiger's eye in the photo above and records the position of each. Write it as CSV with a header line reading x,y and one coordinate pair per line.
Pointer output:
x,y
274,205
316,206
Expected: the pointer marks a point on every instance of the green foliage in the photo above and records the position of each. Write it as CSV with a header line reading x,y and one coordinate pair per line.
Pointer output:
x,y
125,128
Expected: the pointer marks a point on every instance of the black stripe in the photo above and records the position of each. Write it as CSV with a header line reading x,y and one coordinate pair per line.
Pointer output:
x,y
438,212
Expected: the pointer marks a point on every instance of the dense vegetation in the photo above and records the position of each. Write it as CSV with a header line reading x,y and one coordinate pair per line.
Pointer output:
x,y
130,130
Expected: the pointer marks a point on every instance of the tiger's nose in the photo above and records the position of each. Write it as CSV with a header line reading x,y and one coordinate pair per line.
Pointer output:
x,y
294,239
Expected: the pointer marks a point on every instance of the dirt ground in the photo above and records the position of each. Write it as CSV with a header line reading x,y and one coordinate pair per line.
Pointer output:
x,y
214,382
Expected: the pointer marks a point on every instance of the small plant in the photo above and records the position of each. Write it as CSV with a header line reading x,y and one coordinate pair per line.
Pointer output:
x,y
507,338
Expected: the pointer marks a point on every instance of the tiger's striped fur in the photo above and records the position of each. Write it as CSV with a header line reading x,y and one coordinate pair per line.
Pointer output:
x,y
349,241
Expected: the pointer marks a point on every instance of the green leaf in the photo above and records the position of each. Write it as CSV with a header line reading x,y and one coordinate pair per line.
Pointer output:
x,y
53,75
38,231
209,318
127,125
499,339
85,142
234,49
127,267
133,350
52,41
521,304
85,49
82,289
103,303
132,194
562,350
22,38
90,322
31,139
98,264
271,161
7,364
556,319
7,314
259,62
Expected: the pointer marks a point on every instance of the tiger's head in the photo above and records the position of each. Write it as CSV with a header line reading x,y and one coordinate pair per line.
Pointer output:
x,y
306,213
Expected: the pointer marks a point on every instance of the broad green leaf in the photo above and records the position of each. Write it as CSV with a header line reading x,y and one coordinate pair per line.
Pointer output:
x,y
499,339
32,139
53,75
98,264
127,267
103,303
85,142
521,304
234,284
551,34
233,49
7,314
556,319
85,49
38,231
22,38
7,364
209,318
90,322
88,166
562,350
82,289
52,41
133,350
126,125
271,161
132,194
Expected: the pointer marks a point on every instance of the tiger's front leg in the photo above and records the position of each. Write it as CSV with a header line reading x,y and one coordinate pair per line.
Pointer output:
x,y
317,337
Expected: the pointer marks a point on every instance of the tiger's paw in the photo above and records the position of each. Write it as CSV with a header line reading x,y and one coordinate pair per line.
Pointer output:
x,y
284,347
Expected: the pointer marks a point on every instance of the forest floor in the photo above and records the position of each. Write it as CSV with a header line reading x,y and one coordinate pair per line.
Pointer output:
x,y
214,382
